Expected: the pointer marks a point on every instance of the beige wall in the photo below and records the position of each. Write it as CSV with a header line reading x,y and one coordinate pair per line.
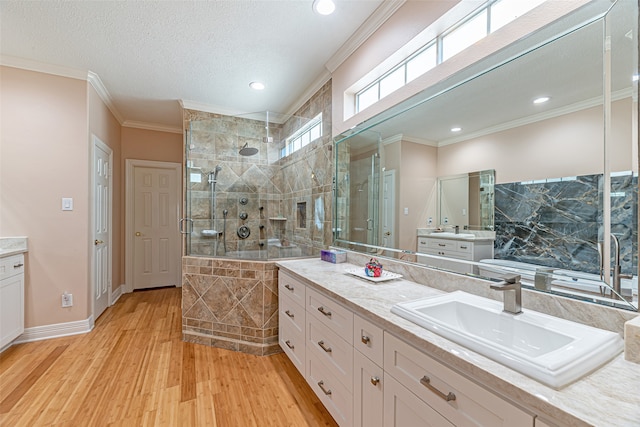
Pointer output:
x,y
417,180
47,123
568,145
44,157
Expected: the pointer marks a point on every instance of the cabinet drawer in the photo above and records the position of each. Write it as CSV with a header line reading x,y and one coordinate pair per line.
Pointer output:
x,y
367,339
332,350
332,314
292,343
11,266
287,285
432,382
291,313
441,244
464,247
334,396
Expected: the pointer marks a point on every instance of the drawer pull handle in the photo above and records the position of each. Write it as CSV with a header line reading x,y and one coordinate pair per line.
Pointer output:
x,y
426,381
322,310
375,380
324,390
442,245
18,265
324,347
288,343
290,314
463,247
289,287
365,339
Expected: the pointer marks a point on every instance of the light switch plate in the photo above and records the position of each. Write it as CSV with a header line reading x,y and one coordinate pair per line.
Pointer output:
x,y
67,204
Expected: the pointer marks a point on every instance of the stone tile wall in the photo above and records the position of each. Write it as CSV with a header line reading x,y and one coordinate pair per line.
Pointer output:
x,y
230,304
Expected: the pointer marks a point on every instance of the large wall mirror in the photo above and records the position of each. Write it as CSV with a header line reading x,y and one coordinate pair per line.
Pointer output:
x,y
545,189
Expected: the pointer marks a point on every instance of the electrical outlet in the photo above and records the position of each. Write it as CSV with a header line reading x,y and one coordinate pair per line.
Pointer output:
x,y
67,299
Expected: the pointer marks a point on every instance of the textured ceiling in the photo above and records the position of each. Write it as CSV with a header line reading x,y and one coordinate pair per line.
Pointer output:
x,y
150,54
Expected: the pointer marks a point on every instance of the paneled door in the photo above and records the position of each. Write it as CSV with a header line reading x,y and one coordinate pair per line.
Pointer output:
x,y
155,255
102,206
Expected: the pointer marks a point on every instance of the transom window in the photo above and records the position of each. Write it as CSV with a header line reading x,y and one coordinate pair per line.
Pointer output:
x,y
490,17
308,133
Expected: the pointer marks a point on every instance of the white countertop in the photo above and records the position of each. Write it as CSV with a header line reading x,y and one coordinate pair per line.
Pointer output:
x,y
609,396
12,246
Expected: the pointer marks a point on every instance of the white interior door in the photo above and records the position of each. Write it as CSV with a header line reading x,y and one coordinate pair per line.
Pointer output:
x,y
155,256
102,207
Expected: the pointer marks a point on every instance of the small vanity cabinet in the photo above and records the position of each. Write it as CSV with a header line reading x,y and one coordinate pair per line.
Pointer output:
x,y
11,298
456,249
367,377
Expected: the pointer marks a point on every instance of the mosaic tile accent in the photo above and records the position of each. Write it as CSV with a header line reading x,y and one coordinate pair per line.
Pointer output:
x,y
231,304
558,224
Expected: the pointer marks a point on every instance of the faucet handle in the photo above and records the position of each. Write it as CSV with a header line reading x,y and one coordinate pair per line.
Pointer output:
x,y
508,281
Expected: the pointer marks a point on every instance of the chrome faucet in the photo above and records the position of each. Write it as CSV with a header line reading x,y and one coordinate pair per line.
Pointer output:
x,y
512,289
457,229
617,270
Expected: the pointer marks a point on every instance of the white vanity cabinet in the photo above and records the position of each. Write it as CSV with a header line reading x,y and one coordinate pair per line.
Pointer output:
x,y
367,377
11,298
454,397
456,249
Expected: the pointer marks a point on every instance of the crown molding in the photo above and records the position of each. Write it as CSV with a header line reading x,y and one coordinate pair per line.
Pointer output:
x,y
400,137
95,81
41,67
151,126
370,26
208,108
578,106
311,90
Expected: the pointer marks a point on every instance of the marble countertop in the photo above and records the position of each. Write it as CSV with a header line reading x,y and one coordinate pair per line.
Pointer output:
x,y
12,246
609,396
477,236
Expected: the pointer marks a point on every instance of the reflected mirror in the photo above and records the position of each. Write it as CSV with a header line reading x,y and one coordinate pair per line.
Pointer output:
x,y
563,205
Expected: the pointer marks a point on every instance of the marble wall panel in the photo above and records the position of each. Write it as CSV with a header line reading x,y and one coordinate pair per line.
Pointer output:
x,y
559,223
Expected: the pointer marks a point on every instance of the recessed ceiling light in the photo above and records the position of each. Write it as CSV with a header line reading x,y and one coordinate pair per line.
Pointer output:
x,y
324,7
456,129
541,100
256,85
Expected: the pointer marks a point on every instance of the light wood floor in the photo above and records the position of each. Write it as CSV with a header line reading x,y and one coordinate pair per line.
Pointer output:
x,y
134,370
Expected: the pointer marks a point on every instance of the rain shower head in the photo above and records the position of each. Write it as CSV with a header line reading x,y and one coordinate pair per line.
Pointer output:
x,y
248,151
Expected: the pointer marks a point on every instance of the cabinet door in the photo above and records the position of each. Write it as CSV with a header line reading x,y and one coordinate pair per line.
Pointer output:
x,y
403,409
368,392
367,339
11,309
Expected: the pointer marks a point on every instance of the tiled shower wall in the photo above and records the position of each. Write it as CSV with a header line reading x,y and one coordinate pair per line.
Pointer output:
x,y
558,224
232,302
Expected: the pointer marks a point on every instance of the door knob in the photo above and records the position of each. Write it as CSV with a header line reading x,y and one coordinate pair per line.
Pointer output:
x,y
388,233
138,233
97,242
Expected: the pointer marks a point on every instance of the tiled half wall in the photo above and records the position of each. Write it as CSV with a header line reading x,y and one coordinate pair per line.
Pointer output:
x,y
230,304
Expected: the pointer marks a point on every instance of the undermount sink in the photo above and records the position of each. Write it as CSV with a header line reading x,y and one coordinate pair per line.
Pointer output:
x,y
551,350
454,235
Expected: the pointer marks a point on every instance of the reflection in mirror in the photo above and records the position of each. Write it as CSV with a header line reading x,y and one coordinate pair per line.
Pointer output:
x,y
565,204
467,200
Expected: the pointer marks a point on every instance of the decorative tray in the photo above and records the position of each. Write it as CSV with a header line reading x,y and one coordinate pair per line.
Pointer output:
x,y
360,273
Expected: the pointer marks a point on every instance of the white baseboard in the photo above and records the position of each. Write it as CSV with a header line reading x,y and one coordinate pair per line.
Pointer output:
x,y
115,295
57,330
